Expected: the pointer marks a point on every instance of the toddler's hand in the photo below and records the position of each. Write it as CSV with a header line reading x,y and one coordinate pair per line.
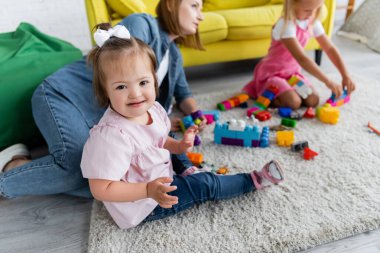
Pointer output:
x,y
157,190
203,123
187,143
335,88
175,126
348,84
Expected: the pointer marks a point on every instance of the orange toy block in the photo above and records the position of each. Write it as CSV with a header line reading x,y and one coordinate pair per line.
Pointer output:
x,y
195,158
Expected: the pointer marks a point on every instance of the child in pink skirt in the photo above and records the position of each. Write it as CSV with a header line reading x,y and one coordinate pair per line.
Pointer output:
x,y
286,57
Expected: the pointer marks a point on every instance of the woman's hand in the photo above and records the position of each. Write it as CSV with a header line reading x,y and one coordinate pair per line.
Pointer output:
x,y
348,84
158,189
335,88
187,143
175,126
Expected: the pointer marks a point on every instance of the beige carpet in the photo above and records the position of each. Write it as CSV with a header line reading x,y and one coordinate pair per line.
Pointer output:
x,y
332,197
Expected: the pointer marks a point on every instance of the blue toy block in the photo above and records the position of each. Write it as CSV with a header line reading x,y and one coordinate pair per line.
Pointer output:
x,y
264,140
285,112
268,94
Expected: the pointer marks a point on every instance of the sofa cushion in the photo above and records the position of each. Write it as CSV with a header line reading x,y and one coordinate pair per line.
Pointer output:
x,y
212,5
255,22
213,28
251,23
127,7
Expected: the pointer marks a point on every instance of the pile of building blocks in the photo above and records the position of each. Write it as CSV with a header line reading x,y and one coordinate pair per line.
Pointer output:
x,y
301,88
239,100
261,104
328,114
238,133
343,99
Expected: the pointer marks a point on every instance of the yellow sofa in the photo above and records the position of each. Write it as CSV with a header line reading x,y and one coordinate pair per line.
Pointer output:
x,y
232,29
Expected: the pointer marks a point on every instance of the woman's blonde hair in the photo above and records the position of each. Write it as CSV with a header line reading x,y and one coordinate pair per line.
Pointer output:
x,y
168,16
288,13
114,46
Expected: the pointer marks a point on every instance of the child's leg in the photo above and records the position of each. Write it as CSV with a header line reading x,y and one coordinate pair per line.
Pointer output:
x,y
287,96
312,100
199,188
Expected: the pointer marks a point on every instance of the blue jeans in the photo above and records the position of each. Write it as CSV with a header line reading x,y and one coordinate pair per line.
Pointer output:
x,y
64,109
199,188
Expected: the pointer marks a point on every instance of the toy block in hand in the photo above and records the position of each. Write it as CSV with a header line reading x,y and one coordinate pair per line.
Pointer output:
x,y
343,99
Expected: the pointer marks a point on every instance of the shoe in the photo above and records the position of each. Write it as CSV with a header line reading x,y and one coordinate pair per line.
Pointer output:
x,y
11,153
271,173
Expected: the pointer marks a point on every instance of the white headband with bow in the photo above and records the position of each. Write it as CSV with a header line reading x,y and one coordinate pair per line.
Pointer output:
x,y
101,36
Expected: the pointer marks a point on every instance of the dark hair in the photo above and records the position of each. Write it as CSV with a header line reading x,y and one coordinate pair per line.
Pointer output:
x,y
168,16
116,45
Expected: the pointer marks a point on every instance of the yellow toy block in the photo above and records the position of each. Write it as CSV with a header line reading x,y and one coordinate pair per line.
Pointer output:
x,y
293,80
285,138
328,114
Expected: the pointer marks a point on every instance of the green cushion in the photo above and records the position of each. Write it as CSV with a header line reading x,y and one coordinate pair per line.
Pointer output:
x,y
27,56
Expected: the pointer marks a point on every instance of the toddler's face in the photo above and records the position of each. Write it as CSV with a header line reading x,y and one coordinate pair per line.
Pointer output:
x,y
304,9
130,86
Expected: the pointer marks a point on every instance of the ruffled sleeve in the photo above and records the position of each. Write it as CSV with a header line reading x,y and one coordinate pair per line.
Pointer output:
x,y
107,154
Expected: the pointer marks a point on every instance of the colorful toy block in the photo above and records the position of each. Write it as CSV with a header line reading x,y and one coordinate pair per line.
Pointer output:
x,y
309,113
328,114
301,88
373,129
309,154
288,122
241,134
195,158
299,146
222,171
285,112
211,116
239,100
259,106
343,99
285,138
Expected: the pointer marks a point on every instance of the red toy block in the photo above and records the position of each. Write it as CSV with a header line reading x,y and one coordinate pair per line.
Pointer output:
x,y
309,154
310,113
263,116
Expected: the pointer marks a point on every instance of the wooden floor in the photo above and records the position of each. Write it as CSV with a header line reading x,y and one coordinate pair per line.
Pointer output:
x,y
61,223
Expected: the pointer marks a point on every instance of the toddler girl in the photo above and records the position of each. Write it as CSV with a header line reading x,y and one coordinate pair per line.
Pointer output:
x,y
127,156
286,56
